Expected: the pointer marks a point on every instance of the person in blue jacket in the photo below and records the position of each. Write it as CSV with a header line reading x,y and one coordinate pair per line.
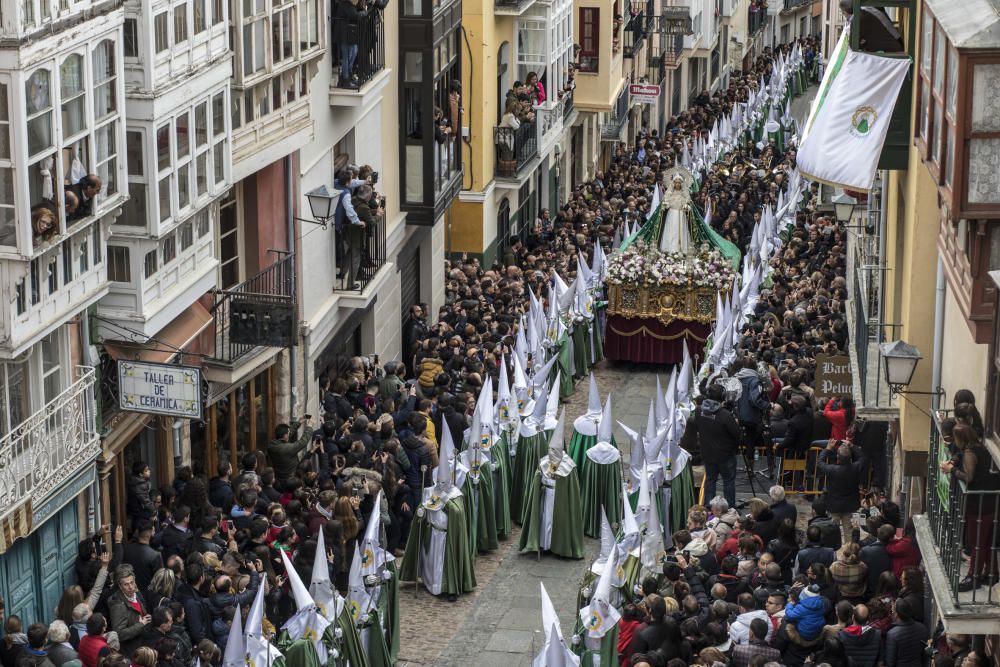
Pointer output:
x,y
808,613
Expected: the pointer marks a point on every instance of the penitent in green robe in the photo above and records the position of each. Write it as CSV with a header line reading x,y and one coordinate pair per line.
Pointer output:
x,y
581,349
383,645
501,486
681,497
459,575
566,367
578,446
601,487
480,505
529,451
567,517
608,650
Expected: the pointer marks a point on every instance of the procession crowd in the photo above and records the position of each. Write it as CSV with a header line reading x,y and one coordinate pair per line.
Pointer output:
x,y
737,589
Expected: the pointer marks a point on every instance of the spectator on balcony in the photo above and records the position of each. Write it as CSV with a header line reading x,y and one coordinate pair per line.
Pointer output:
x,y
505,138
535,88
44,223
72,204
355,234
346,33
455,108
86,190
971,464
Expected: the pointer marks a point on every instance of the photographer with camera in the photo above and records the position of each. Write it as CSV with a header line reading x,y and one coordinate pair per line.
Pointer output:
x,y
284,452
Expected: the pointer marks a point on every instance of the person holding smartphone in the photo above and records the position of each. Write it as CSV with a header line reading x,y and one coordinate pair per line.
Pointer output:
x,y
283,451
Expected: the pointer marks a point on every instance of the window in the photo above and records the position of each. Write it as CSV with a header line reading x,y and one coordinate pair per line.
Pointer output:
x,y
84,254
67,261
161,32
183,186
134,152
199,16
254,47
204,222
169,249
938,81
96,243
149,264
119,269
187,235
134,210
15,395
308,25
36,294
590,33
163,147
180,24
52,273
51,367
219,161
218,114
281,35
105,80
164,203
201,124
219,12
130,46
20,298
71,92
181,130
229,244
107,157
8,221
38,103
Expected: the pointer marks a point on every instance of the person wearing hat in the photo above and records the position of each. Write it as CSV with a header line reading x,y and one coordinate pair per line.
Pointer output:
x,y
553,518
807,613
601,477
438,549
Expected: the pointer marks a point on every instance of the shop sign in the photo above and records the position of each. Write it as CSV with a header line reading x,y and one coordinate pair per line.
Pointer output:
x,y
644,93
833,376
159,389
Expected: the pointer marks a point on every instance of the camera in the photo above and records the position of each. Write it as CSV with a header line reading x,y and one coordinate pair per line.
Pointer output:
x,y
374,177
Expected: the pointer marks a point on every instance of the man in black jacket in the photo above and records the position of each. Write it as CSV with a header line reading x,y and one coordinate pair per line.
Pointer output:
x,y
144,559
715,433
447,414
828,529
842,467
875,556
197,613
220,489
862,643
652,634
798,434
225,594
813,552
176,538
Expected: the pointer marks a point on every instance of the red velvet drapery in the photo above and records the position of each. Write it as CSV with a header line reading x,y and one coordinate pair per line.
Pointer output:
x,y
648,340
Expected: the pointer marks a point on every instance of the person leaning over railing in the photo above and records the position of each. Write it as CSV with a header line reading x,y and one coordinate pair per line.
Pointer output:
x,y
972,465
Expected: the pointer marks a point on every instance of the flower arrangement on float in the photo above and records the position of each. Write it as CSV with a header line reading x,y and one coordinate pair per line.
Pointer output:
x,y
644,264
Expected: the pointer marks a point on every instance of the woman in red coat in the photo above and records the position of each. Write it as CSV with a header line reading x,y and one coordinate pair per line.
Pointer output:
x,y
903,550
840,413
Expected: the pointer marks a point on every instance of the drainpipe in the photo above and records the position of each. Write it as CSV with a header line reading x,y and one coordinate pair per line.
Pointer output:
x,y
290,232
939,297
883,223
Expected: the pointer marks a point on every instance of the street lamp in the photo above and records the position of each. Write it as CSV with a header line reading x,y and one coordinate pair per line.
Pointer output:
x,y
843,207
322,204
900,360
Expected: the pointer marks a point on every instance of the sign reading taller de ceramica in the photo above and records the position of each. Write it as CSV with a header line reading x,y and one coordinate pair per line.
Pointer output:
x,y
161,389
833,376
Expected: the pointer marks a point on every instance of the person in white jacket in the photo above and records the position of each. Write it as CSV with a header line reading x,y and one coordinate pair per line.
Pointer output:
x,y
739,630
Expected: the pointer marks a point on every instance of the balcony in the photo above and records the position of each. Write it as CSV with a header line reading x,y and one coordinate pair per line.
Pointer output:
x,y
756,19
371,257
614,120
511,7
567,102
636,30
951,508
791,5
274,286
515,149
48,448
367,78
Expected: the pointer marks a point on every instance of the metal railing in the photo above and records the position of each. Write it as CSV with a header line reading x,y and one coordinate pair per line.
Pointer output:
x,y
612,128
793,4
371,47
371,257
511,5
276,283
514,148
756,19
636,30
961,519
567,102
551,118
50,446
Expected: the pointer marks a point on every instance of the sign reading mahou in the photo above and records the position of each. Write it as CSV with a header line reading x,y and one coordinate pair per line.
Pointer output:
x,y
833,376
644,93
161,389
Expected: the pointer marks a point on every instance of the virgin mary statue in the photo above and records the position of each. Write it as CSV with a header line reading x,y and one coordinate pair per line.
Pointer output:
x,y
675,231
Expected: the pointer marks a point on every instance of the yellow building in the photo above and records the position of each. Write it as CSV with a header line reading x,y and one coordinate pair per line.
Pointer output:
x,y
921,273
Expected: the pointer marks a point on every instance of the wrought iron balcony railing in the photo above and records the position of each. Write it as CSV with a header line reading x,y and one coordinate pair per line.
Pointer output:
x,y
793,4
514,148
274,285
636,31
611,129
961,518
756,19
50,446
371,48
367,251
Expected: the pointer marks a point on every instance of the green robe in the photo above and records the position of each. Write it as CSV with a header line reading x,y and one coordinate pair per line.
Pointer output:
x,y
482,517
681,497
608,650
383,647
529,451
459,575
598,340
501,487
601,487
567,517
578,446
581,349
349,645
566,368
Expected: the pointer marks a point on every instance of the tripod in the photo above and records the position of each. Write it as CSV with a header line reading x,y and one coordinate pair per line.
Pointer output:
x,y
752,434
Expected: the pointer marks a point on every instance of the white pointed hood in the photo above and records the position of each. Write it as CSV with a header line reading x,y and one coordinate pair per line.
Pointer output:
x,y
637,457
359,601
321,588
236,654
557,441
299,592
659,405
605,430
307,622
600,616
524,400
373,556
552,404
586,424
535,420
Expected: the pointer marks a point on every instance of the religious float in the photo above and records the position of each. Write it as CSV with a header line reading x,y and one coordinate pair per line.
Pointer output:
x,y
664,280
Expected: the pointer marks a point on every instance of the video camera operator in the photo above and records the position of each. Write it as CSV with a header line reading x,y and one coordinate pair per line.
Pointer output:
x,y
714,431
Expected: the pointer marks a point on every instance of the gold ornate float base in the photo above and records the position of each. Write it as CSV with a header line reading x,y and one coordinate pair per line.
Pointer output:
x,y
665,303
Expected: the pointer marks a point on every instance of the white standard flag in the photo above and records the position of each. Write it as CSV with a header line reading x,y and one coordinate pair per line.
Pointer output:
x,y
846,129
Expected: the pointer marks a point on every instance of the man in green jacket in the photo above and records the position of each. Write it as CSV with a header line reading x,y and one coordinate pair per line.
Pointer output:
x,y
283,452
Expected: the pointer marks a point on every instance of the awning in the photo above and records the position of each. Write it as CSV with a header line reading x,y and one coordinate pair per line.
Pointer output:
x,y
164,346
